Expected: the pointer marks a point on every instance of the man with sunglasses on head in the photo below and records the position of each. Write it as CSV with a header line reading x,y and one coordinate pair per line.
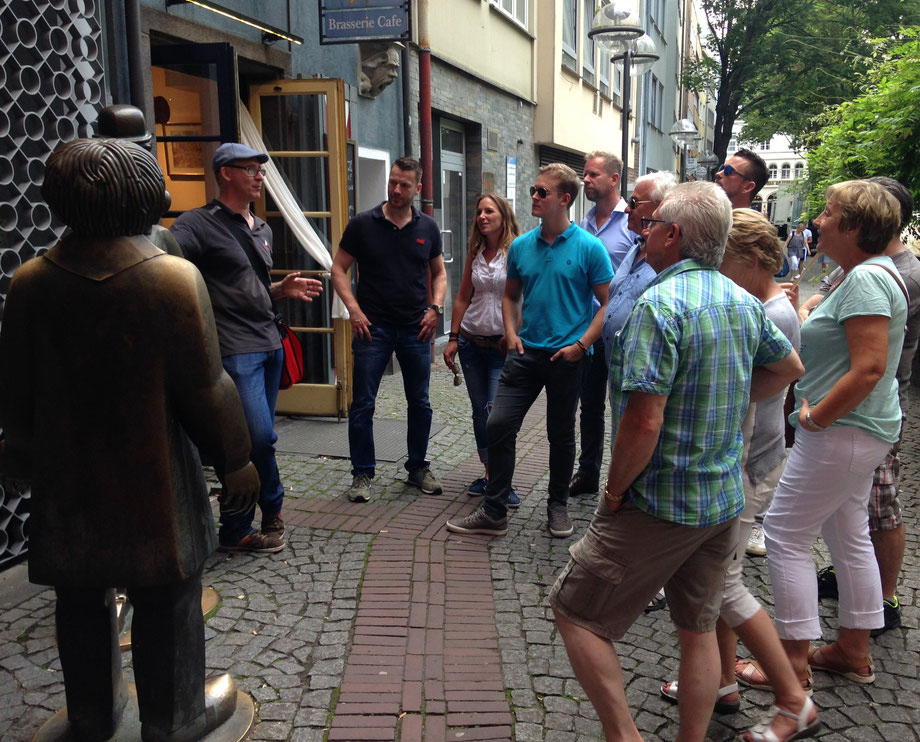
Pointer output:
x,y
741,177
213,238
554,273
607,221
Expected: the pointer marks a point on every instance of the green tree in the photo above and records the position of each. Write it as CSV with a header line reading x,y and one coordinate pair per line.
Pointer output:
x,y
876,133
779,63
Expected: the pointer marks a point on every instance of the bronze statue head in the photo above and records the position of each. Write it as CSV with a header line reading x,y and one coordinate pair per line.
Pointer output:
x,y
104,187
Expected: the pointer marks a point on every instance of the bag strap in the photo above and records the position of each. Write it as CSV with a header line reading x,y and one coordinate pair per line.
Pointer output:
x,y
897,280
237,231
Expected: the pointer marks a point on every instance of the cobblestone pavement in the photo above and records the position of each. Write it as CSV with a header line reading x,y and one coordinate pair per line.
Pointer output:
x,y
373,624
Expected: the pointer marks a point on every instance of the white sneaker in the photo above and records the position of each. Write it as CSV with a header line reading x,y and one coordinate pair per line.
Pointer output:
x,y
755,544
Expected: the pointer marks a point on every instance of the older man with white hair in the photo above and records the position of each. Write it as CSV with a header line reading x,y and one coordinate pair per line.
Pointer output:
x,y
693,353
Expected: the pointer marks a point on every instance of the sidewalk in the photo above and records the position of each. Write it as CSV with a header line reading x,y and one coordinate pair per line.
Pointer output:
x,y
375,624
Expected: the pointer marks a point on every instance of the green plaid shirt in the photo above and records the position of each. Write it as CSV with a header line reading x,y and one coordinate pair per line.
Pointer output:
x,y
693,336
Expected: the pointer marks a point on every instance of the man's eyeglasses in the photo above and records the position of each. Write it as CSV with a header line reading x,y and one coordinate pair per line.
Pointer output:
x,y
729,170
647,222
251,171
541,192
633,203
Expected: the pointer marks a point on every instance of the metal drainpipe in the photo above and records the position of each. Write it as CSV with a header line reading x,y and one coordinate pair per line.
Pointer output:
x,y
424,104
135,68
406,102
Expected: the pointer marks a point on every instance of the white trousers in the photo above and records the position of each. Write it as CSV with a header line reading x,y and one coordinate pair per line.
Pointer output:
x,y
738,604
825,490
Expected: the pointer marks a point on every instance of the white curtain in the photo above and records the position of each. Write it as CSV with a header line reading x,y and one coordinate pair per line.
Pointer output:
x,y
289,206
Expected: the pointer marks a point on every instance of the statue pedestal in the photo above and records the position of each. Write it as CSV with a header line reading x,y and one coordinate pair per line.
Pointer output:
x,y
209,601
57,728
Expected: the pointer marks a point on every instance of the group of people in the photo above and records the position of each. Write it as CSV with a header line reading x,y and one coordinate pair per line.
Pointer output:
x,y
697,344
667,302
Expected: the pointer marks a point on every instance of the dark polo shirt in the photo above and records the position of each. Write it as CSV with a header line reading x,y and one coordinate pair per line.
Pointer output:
x,y
392,283
242,309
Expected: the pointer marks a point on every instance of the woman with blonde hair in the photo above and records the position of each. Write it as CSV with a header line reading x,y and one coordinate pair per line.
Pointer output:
x,y
476,326
753,255
846,417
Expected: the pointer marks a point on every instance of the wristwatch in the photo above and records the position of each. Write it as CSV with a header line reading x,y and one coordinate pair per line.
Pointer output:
x,y
439,309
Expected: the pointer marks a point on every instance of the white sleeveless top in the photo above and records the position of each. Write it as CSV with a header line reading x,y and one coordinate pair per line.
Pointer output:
x,y
484,315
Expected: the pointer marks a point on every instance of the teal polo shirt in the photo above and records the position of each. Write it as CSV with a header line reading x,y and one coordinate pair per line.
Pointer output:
x,y
558,283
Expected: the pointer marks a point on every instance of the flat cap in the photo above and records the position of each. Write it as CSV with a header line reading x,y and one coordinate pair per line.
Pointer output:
x,y
230,152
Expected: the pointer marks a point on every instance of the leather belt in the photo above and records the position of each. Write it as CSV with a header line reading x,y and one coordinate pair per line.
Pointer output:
x,y
483,341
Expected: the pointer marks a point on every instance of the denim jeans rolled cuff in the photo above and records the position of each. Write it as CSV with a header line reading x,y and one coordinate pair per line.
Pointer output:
x,y
370,362
257,376
523,377
481,370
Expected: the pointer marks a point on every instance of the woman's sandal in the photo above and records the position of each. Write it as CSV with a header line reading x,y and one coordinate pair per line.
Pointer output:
x,y
746,672
818,661
763,732
668,692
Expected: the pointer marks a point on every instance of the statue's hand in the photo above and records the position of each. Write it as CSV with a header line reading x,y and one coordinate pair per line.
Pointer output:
x,y
241,490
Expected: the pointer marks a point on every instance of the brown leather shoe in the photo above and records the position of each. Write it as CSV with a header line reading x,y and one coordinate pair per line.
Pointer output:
x,y
583,485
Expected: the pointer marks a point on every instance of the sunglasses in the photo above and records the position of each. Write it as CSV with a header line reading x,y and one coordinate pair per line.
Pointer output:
x,y
729,170
633,203
647,222
541,192
252,172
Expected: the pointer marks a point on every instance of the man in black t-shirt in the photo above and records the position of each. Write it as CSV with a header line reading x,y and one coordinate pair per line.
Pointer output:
x,y
250,346
395,247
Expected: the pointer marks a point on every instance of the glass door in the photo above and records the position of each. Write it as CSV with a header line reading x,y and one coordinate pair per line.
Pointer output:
x,y
302,123
194,109
453,210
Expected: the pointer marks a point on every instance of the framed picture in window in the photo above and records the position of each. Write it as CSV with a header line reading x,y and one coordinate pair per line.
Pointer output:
x,y
184,158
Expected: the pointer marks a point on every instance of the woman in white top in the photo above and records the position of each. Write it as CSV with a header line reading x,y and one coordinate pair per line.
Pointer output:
x,y
476,327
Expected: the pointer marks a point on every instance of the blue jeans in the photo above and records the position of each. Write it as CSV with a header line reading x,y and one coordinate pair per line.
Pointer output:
x,y
257,376
371,360
481,369
522,380
593,396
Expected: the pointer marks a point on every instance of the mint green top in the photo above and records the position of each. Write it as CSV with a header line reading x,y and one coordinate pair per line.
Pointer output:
x,y
866,290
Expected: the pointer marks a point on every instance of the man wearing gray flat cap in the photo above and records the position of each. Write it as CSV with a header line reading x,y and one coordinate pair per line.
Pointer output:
x,y
232,249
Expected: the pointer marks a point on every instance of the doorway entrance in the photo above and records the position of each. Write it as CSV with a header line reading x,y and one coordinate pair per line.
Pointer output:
x,y
302,125
453,208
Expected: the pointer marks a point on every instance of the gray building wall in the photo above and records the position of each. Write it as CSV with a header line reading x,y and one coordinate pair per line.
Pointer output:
x,y
481,107
375,123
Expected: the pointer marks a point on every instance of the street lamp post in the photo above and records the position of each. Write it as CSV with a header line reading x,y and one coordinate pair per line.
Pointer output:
x,y
616,29
683,133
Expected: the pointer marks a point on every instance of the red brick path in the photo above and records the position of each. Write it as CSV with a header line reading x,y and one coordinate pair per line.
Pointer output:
x,y
424,661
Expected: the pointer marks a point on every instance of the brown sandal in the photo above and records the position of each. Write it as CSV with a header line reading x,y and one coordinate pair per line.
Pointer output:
x,y
818,660
747,672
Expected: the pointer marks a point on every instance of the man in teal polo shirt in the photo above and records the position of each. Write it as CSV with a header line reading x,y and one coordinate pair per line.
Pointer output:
x,y
554,273
693,353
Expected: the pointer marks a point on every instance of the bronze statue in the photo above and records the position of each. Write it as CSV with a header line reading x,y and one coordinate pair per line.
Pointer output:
x,y
121,121
109,378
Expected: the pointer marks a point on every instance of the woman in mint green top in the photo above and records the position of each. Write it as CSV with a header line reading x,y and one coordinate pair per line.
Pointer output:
x,y
846,418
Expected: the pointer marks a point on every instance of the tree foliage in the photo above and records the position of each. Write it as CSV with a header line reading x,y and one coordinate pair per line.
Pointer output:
x,y
780,63
876,133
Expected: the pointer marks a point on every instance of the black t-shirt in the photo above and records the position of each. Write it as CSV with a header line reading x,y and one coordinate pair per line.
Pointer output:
x,y
243,310
392,264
